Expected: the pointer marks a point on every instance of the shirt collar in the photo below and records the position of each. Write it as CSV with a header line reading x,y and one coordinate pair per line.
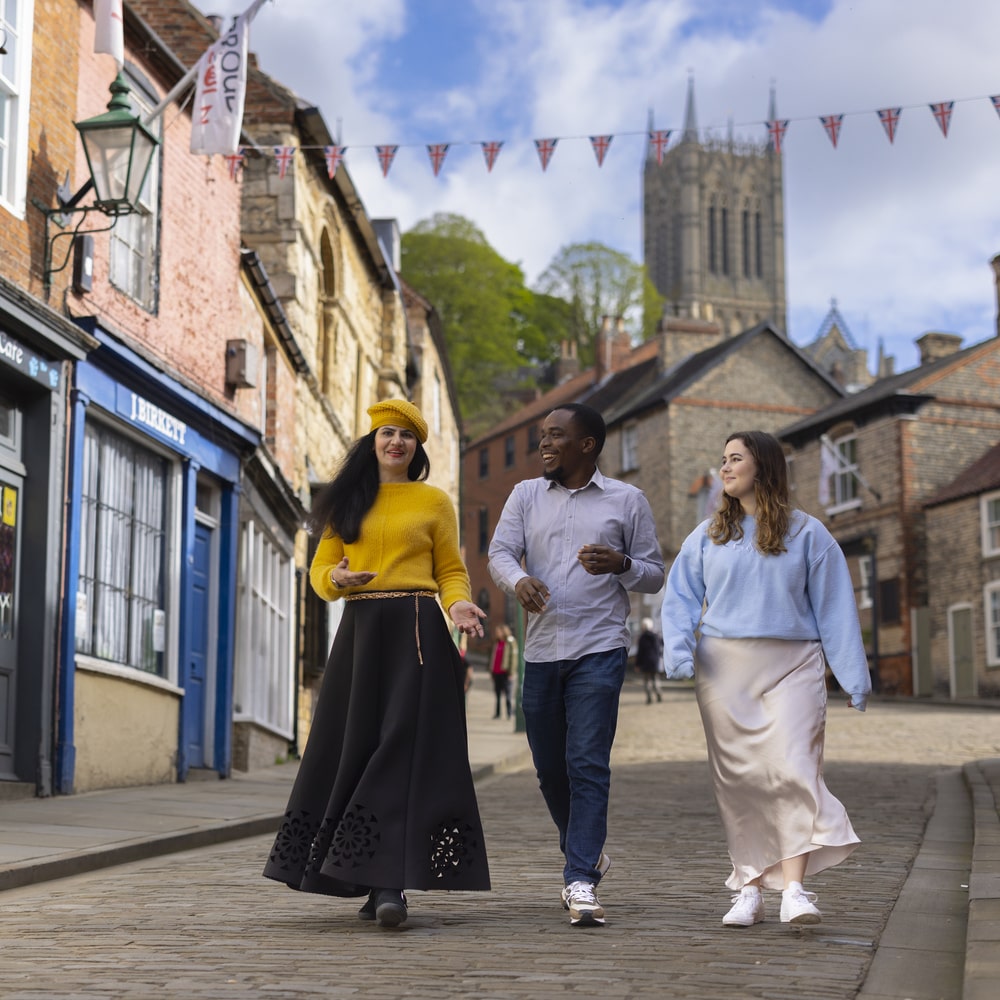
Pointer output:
x,y
596,480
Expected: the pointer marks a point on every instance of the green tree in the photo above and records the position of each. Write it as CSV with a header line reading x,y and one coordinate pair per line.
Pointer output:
x,y
598,281
497,331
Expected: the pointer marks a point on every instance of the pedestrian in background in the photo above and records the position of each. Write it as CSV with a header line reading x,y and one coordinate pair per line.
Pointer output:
x,y
585,541
649,660
779,606
503,666
384,800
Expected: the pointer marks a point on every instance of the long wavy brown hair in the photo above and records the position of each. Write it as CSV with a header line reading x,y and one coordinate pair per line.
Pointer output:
x,y
774,509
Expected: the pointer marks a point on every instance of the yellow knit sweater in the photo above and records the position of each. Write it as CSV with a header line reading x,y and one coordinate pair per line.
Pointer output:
x,y
409,538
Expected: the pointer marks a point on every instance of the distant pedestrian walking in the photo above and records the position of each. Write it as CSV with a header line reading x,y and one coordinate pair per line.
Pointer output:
x,y
384,800
503,667
779,607
649,660
585,541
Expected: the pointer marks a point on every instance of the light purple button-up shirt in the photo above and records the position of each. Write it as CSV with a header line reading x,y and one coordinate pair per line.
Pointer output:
x,y
546,524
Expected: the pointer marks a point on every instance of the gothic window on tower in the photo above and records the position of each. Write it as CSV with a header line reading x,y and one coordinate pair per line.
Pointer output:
x,y
757,244
725,240
746,243
713,259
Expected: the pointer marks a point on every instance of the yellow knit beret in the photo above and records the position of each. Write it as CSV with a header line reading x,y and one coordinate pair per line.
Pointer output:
x,y
399,413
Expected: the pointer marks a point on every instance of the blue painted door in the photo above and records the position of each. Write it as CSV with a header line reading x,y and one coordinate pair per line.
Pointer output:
x,y
197,672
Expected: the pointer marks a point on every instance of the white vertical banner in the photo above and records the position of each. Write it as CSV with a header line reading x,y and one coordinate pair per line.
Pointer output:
x,y
109,35
829,465
220,92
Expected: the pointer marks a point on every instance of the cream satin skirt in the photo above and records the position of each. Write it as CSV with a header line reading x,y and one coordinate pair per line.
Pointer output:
x,y
763,705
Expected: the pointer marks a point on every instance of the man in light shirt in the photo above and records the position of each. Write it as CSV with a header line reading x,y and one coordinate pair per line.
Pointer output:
x,y
569,546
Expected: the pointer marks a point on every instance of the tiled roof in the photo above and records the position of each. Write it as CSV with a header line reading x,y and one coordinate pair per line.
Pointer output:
x,y
980,477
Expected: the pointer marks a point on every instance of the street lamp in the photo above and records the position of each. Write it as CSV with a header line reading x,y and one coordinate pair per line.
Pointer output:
x,y
119,150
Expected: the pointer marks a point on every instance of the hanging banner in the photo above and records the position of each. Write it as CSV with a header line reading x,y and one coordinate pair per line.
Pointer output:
x,y
942,114
437,154
491,150
333,156
220,93
109,33
776,130
283,156
889,117
601,143
832,125
545,147
386,154
658,140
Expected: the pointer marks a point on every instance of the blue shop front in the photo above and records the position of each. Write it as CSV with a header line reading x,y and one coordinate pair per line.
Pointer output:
x,y
148,637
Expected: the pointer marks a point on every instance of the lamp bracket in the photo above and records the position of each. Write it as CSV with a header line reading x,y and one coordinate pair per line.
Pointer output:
x,y
60,216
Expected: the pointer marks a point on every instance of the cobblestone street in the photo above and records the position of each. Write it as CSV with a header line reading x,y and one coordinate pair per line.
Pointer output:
x,y
204,925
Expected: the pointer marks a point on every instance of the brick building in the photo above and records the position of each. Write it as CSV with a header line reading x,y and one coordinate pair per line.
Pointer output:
x,y
896,444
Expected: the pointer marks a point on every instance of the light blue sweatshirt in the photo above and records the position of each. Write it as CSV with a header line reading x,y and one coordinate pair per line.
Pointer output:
x,y
803,593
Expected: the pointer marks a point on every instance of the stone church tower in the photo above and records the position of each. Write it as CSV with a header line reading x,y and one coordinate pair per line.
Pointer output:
x,y
713,229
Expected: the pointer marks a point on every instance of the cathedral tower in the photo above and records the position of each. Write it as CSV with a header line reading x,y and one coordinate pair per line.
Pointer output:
x,y
713,228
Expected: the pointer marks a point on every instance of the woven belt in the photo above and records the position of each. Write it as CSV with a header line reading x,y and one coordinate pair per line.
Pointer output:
x,y
375,595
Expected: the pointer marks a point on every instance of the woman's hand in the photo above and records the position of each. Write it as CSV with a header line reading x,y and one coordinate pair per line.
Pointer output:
x,y
467,617
341,576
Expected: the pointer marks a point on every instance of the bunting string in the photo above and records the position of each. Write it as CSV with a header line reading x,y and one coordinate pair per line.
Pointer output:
x,y
657,140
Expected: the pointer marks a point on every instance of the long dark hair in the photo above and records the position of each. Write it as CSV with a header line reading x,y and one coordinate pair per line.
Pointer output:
x,y
770,490
342,504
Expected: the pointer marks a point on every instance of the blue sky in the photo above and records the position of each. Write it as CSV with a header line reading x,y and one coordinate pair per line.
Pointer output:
x,y
900,235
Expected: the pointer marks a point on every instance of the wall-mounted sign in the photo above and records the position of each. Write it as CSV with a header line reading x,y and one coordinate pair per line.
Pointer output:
x,y
16,355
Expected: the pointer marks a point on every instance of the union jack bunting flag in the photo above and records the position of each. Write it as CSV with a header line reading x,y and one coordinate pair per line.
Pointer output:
x,y
832,125
601,143
776,129
942,114
545,147
491,150
386,154
333,156
658,140
889,117
283,155
437,153
234,161
996,103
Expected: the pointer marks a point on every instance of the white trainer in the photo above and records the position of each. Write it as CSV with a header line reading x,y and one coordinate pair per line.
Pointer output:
x,y
602,866
747,909
799,906
585,908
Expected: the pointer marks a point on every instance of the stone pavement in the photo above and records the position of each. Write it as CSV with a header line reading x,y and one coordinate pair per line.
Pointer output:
x,y
914,913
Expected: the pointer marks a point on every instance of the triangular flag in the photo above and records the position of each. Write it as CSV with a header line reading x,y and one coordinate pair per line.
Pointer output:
x,y
437,153
996,103
283,155
491,150
776,129
545,147
658,140
601,144
889,117
234,162
333,155
942,114
386,154
832,125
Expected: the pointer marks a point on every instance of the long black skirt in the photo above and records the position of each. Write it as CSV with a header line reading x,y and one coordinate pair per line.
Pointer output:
x,y
384,796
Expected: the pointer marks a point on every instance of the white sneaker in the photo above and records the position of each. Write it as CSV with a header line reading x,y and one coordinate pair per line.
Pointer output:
x,y
748,908
585,908
799,906
602,866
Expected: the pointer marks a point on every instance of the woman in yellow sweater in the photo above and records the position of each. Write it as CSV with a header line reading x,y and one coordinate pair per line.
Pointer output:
x,y
384,799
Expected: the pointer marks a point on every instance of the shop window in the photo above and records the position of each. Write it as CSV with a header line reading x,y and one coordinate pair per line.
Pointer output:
x,y
120,601
265,664
992,600
134,266
15,79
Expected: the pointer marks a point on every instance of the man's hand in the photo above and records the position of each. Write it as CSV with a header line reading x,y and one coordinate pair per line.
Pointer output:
x,y
600,559
532,594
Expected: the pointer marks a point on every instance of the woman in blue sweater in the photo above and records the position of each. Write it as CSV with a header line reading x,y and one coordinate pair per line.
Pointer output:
x,y
769,592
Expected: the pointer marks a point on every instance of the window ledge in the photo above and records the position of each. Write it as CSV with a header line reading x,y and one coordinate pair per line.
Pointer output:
x,y
842,508
122,672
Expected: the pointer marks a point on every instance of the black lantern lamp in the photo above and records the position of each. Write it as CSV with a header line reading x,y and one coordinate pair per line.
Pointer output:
x,y
119,150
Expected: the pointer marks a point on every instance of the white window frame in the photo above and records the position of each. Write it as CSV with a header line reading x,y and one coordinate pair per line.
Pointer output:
x,y
15,92
133,251
168,571
265,633
845,482
865,578
630,447
991,619
989,519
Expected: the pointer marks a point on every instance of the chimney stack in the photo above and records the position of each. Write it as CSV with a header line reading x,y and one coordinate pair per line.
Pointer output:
x,y
934,345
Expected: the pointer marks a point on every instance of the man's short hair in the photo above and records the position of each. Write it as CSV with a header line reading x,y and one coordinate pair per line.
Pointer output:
x,y
591,422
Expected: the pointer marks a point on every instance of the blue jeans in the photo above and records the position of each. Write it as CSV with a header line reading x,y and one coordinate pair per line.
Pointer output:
x,y
570,715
